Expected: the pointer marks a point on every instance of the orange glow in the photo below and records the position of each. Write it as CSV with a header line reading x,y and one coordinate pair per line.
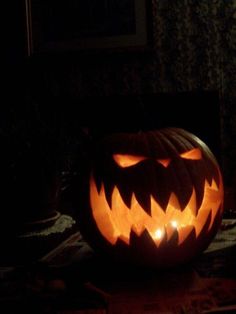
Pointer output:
x,y
164,162
125,161
194,154
118,221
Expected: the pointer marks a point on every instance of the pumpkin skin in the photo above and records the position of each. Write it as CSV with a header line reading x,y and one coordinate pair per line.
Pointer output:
x,y
153,198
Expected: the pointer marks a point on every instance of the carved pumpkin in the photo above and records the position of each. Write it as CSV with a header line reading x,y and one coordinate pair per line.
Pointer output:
x,y
154,197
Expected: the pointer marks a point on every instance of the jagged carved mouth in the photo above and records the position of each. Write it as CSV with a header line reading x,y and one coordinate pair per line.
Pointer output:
x,y
117,221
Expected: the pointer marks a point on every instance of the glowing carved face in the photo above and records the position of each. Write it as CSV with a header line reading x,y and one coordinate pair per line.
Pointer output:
x,y
166,184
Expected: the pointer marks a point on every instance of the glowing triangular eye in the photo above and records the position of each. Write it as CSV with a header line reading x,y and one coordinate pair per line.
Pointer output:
x,y
194,154
125,161
164,162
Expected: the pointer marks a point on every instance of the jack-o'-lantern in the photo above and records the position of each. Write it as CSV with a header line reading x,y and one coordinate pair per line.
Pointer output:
x,y
154,197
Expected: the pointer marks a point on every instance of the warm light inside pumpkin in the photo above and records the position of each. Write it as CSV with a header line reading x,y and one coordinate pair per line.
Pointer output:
x,y
164,162
125,161
194,154
118,221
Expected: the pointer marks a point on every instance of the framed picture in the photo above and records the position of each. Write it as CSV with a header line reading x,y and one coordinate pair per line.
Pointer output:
x,y
87,25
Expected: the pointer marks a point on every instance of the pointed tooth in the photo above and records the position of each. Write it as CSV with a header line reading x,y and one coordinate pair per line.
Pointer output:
x,y
213,172
126,194
138,216
170,230
98,182
172,235
184,233
138,228
208,182
125,239
142,243
198,185
120,215
174,202
156,211
109,188
162,198
163,239
201,220
208,175
192,205
144,201
212,197
102,214
159,237
214,186
183,195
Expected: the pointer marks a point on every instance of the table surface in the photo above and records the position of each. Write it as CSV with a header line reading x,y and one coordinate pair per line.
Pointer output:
x,y
71,280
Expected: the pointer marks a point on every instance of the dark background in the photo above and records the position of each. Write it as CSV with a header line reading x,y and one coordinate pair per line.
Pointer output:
x,y
52,104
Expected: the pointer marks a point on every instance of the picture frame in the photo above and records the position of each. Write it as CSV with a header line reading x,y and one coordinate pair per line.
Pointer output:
x,y
91,25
